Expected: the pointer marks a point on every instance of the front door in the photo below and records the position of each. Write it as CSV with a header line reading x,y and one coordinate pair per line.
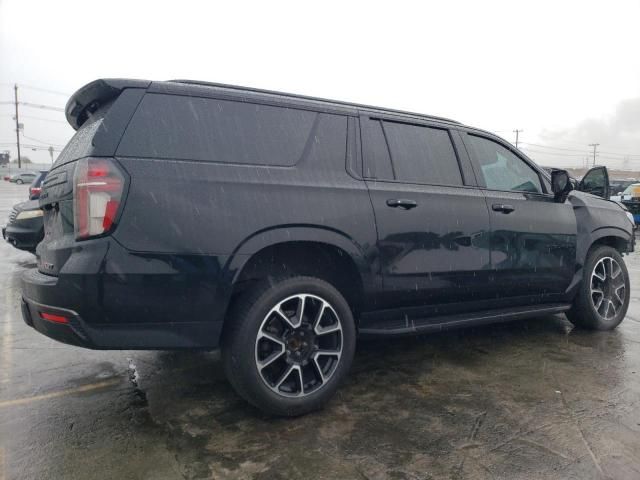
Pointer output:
x,y
432,228
533,237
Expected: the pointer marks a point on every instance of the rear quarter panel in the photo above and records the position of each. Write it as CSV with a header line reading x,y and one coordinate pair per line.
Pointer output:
x,y
231,211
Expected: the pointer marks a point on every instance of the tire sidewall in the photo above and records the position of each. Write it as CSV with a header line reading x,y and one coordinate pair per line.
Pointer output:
x,y
596,320
243,347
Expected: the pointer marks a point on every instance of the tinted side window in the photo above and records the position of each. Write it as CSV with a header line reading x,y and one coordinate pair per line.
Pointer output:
x,y
422,154
192,128
376,154
501,169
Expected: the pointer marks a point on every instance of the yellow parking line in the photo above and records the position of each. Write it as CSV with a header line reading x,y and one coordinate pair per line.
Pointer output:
x,y
60,393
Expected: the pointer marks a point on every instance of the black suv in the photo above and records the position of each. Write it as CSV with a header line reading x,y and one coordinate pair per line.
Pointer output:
x,y
279,227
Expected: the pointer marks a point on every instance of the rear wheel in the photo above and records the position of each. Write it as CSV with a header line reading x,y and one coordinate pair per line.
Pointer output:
x,y
603,298
289,344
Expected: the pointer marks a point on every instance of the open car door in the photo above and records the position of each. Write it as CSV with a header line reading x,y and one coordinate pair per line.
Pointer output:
x,y
596,182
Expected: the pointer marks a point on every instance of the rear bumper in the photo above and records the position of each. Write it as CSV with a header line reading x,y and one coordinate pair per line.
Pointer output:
x,y
120,306
122,337
70,332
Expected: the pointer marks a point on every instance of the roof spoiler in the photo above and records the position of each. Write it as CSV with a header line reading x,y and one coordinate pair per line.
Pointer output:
x,y
90,97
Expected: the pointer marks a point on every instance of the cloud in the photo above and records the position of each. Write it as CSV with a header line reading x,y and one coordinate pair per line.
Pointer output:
x,y
618,135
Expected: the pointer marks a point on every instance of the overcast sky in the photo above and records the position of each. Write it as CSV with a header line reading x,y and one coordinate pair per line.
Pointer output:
x,y
565,72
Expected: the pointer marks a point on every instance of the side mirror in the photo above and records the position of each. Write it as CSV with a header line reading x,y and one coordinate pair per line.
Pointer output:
x,y
596,182
560,184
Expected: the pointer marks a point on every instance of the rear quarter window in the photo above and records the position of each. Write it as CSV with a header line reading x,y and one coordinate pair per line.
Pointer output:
x,y
214,130
376,153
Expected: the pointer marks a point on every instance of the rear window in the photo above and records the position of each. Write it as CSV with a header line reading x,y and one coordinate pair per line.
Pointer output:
x,y
81,144
205,129
38,180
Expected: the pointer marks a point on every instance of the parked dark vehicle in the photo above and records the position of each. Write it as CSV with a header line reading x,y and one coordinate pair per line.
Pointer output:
x,y
24,177
619,186
36,186
278,227
630,199
24,229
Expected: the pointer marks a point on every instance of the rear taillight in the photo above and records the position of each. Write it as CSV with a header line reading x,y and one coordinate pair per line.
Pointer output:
x,y
97,194
54,318
35,190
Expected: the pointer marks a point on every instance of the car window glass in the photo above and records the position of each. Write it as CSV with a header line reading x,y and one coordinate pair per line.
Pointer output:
x,y
502,169
422,154
375,151
595,181
206,129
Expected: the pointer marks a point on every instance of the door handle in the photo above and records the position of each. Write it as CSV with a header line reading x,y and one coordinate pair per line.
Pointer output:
x,y
402,203
501,207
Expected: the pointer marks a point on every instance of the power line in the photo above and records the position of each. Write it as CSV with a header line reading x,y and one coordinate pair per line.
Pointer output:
x,y
33,117
16,103
553,153
45,107
42,141
32,146
53,92
622,154
35,105
31,87
553,148
576,150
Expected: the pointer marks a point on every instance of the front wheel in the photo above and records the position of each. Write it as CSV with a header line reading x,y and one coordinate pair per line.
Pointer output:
x,y
289,344
603,297
19,182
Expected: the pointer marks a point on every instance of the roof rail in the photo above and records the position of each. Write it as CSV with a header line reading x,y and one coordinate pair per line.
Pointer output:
x,y
315,99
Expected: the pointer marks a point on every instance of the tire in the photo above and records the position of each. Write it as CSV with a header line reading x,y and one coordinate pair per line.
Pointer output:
x,y
19,182
289,349
606,272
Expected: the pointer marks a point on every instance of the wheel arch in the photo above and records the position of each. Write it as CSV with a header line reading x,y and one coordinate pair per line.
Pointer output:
x,y
303,250
614,237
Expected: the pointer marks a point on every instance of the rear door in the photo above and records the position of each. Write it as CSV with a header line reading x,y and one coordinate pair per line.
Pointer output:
x,y
533,237
432,221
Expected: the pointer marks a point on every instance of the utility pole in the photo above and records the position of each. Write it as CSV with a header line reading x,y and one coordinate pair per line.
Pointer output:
x,y
595,146
15,97
51,153
517,132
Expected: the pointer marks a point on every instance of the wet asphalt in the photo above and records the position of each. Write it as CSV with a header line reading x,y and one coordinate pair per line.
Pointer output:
x,y
534,399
